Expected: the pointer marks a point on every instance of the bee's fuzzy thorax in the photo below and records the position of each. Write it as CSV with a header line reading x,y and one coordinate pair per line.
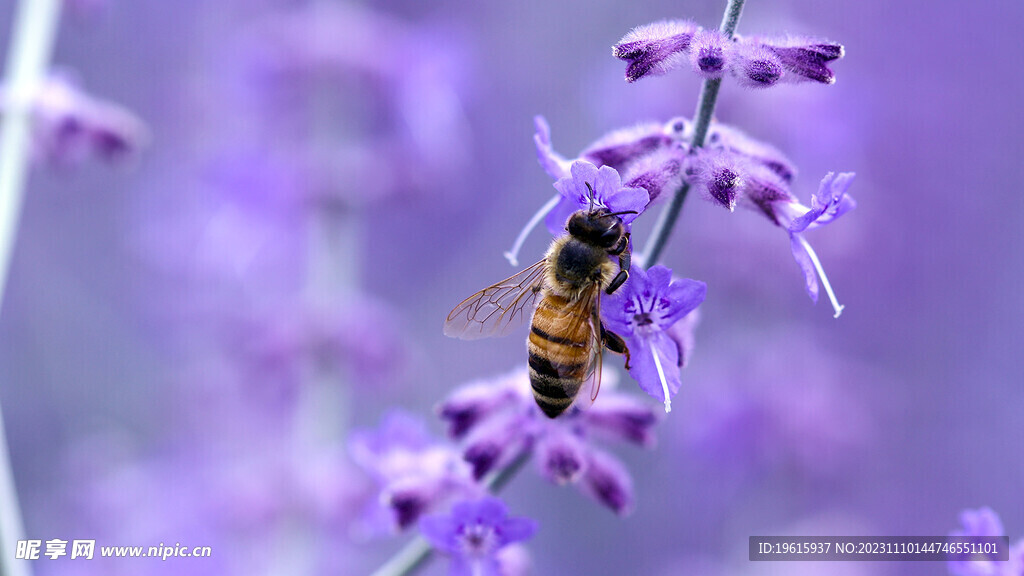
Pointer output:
x,y
572,264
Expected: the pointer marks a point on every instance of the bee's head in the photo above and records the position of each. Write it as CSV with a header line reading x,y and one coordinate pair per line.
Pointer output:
x,y
598,227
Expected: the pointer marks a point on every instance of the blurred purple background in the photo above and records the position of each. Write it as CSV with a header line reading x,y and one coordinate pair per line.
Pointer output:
x,y
166,313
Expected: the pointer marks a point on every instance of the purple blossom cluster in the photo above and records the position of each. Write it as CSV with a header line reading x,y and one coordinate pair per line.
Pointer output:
x,y
731,169
497,421
756,62
420,481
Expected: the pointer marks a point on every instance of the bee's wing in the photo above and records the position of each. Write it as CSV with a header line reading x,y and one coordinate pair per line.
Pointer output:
x,y
597,356
497,309
588,310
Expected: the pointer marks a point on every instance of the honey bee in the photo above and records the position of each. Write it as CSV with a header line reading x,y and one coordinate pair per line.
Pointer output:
x,y
564,293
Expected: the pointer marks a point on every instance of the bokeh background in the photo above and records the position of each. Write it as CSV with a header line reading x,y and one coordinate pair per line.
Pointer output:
x,y
190,332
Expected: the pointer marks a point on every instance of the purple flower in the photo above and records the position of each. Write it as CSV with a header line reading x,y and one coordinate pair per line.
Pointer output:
x,y
655,49
473,533
414,473
648,156
642,312
829,203
563,451
985,522
69,125
590,187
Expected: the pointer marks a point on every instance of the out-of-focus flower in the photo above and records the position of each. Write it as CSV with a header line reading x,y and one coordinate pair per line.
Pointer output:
x,y
642,312
590,187
755,414
70,126
985,522
473,534
655,49
497,421
415,474
415,76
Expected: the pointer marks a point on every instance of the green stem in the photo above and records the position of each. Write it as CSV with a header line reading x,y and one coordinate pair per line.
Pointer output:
x,y
32,39
702,121
418,551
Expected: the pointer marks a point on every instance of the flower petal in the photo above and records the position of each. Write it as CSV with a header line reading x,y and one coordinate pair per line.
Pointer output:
x,y
684,296
553,163
515,530
803,259
644,369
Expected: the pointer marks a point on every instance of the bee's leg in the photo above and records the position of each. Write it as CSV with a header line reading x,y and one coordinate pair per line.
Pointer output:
x,y
615,343
624,254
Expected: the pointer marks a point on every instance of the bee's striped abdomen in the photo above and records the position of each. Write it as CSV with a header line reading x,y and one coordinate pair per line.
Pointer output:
x,y
560,353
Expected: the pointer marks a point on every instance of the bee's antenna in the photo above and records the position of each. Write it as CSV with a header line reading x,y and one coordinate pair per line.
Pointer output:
x,y
590,195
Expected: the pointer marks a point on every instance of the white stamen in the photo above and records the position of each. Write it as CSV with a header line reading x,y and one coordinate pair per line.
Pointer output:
x,y
661,376
821,274
513,255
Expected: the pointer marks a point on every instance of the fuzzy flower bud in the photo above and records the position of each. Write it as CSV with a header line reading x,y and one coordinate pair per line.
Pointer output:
x,y
655,49
754,65
718,174
805,59
659,172
709,53
620,147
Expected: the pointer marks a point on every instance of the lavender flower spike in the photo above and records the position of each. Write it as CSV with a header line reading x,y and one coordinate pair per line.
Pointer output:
x,y
655,49
642,312
474,533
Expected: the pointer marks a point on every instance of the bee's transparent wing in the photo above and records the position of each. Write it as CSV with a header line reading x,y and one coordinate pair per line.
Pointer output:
x,y
597,352
498,309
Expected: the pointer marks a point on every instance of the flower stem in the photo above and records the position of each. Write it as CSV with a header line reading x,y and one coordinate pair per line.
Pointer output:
x,y
418,551
702,121
32,39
